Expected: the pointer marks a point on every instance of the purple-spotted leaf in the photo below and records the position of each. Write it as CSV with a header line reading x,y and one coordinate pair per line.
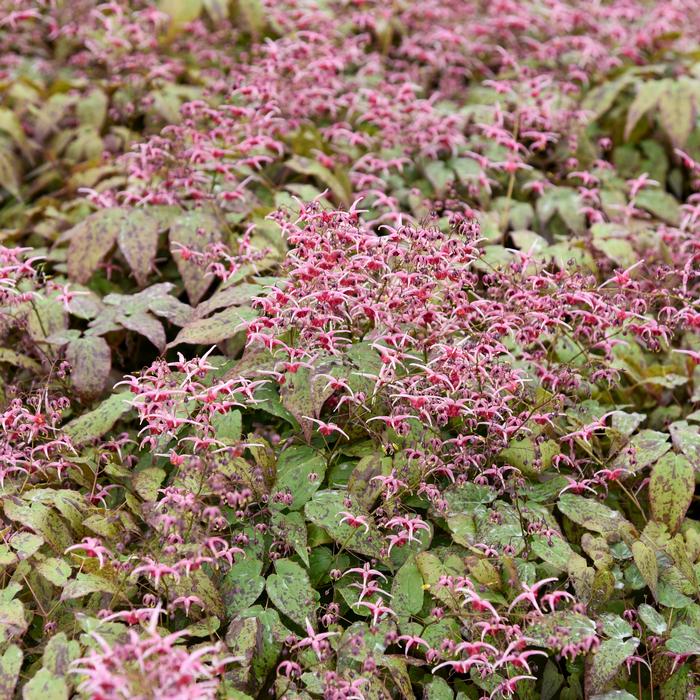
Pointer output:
x,y
671,490
94,424
92,239
146,325
645,559
13,622
291,592
190,234
10,665
603,664
138,242
90,359
216,328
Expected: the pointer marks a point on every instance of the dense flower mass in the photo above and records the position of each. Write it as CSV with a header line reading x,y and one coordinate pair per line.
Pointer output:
x,y
349,349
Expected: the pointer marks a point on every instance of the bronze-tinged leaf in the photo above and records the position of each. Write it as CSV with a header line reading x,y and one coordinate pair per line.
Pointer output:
x,y
671,490
90,360
91,240
138,242
193,231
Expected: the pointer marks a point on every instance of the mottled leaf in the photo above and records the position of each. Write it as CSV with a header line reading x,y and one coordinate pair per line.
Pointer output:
x,y
300,470
92,239
90,360
242,585
652,619
642,450
138,243
324,510
193,231
291,592
407,589
216,328
45,686
85,583
10,665
645,559
94,424
606,661
671,490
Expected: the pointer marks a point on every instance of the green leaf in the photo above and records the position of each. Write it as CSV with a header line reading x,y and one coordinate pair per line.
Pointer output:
x,y
671,490
242,585
407,589
615,627
18,360
252,12
144,324
194,230
45,686
678,686
25,544
606,662
568,626
84,584
648,95
295,465
336,182
46,318
94,424
552,680
684,640
661,204
677,113
54,570
599,100
227,426
440,175
652,619
437,689
90,360
291,592
10,665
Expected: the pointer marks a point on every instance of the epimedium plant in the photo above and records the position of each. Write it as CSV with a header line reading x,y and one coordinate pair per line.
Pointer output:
x,y
400,308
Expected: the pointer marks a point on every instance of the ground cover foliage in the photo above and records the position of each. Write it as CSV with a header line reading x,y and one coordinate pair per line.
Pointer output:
x,y
349,349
